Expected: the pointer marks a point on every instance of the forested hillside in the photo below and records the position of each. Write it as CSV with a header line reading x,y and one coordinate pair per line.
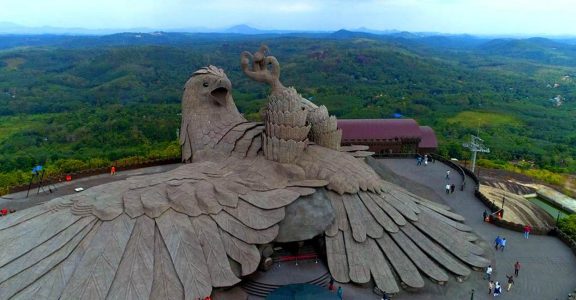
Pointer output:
x,y
73,102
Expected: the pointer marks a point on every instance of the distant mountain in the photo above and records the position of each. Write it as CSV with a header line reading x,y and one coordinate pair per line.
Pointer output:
x,y
571,41
246,29
346,34
11,28
243,29
537,49
463,41
374,31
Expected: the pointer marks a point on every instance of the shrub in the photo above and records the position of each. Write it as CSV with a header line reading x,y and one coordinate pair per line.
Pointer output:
x,y
568,225
70,165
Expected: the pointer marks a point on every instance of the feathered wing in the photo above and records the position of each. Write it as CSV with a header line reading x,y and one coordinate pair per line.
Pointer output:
x,y
179,234
166,236
384,232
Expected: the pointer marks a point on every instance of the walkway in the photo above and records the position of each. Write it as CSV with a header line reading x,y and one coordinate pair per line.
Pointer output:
x,y
548,266
19,200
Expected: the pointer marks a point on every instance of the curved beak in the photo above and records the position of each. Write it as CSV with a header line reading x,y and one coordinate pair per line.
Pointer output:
x,y
219,95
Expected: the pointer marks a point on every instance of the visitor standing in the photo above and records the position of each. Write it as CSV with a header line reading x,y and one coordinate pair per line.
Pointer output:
x,y
113,170
488,273
502,244
448,175
516,268
485,216
331,284
340,292
510,282
497,289
452,188
448,188
527,230
490,287
497,242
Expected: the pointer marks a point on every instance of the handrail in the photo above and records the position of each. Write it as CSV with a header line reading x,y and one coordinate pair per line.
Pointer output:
x,y
435,156
121,166
455,166
494,209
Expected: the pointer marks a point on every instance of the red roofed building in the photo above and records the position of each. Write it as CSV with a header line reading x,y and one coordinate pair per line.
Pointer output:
x,y
389,135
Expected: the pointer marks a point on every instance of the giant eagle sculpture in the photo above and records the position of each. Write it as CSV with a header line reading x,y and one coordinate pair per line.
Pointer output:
x,y
179,234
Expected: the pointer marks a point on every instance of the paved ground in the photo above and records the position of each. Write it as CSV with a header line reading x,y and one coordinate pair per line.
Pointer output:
x,y
19,200
548,266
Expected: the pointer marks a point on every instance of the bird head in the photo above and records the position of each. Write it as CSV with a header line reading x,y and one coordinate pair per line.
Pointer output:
x,y
208,90
208,111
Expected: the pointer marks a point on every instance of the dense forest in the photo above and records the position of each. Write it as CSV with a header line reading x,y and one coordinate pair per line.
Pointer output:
x,y
72,102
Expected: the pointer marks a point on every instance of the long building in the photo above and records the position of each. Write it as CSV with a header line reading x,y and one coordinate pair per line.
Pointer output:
x,y
387,136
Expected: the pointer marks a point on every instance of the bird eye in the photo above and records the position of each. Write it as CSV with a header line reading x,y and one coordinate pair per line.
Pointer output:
x,y
205,84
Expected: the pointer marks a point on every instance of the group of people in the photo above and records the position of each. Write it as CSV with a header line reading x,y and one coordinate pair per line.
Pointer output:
x,y
500,243
494,287
339,292
5,211
450,188
424,159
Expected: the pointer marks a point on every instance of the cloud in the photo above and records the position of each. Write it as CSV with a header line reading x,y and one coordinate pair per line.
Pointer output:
x,y
451,16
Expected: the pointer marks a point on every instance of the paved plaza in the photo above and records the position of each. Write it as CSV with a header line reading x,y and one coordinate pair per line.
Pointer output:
x,y
548,265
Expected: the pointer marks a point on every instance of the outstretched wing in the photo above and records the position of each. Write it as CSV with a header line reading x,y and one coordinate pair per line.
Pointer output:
x,y
394,236
384,232
167,236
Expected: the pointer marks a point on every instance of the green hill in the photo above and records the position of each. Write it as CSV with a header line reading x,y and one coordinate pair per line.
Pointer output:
x,y
109,97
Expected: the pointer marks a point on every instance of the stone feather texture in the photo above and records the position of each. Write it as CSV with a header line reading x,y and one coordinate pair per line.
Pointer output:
x,y
173,235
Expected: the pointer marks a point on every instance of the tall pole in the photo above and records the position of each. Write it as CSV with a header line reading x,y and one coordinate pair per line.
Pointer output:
x,y
476,145
40,184
30,185
474,160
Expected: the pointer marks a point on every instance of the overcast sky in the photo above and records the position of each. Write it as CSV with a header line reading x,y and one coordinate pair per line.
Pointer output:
x,y
533,17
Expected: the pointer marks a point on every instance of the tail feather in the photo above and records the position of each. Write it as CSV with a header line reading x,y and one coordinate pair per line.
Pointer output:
x,y
396,236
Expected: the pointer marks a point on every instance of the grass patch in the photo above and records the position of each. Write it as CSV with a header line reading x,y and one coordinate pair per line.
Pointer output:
x,y
473,119
13,63
542,175
10,125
